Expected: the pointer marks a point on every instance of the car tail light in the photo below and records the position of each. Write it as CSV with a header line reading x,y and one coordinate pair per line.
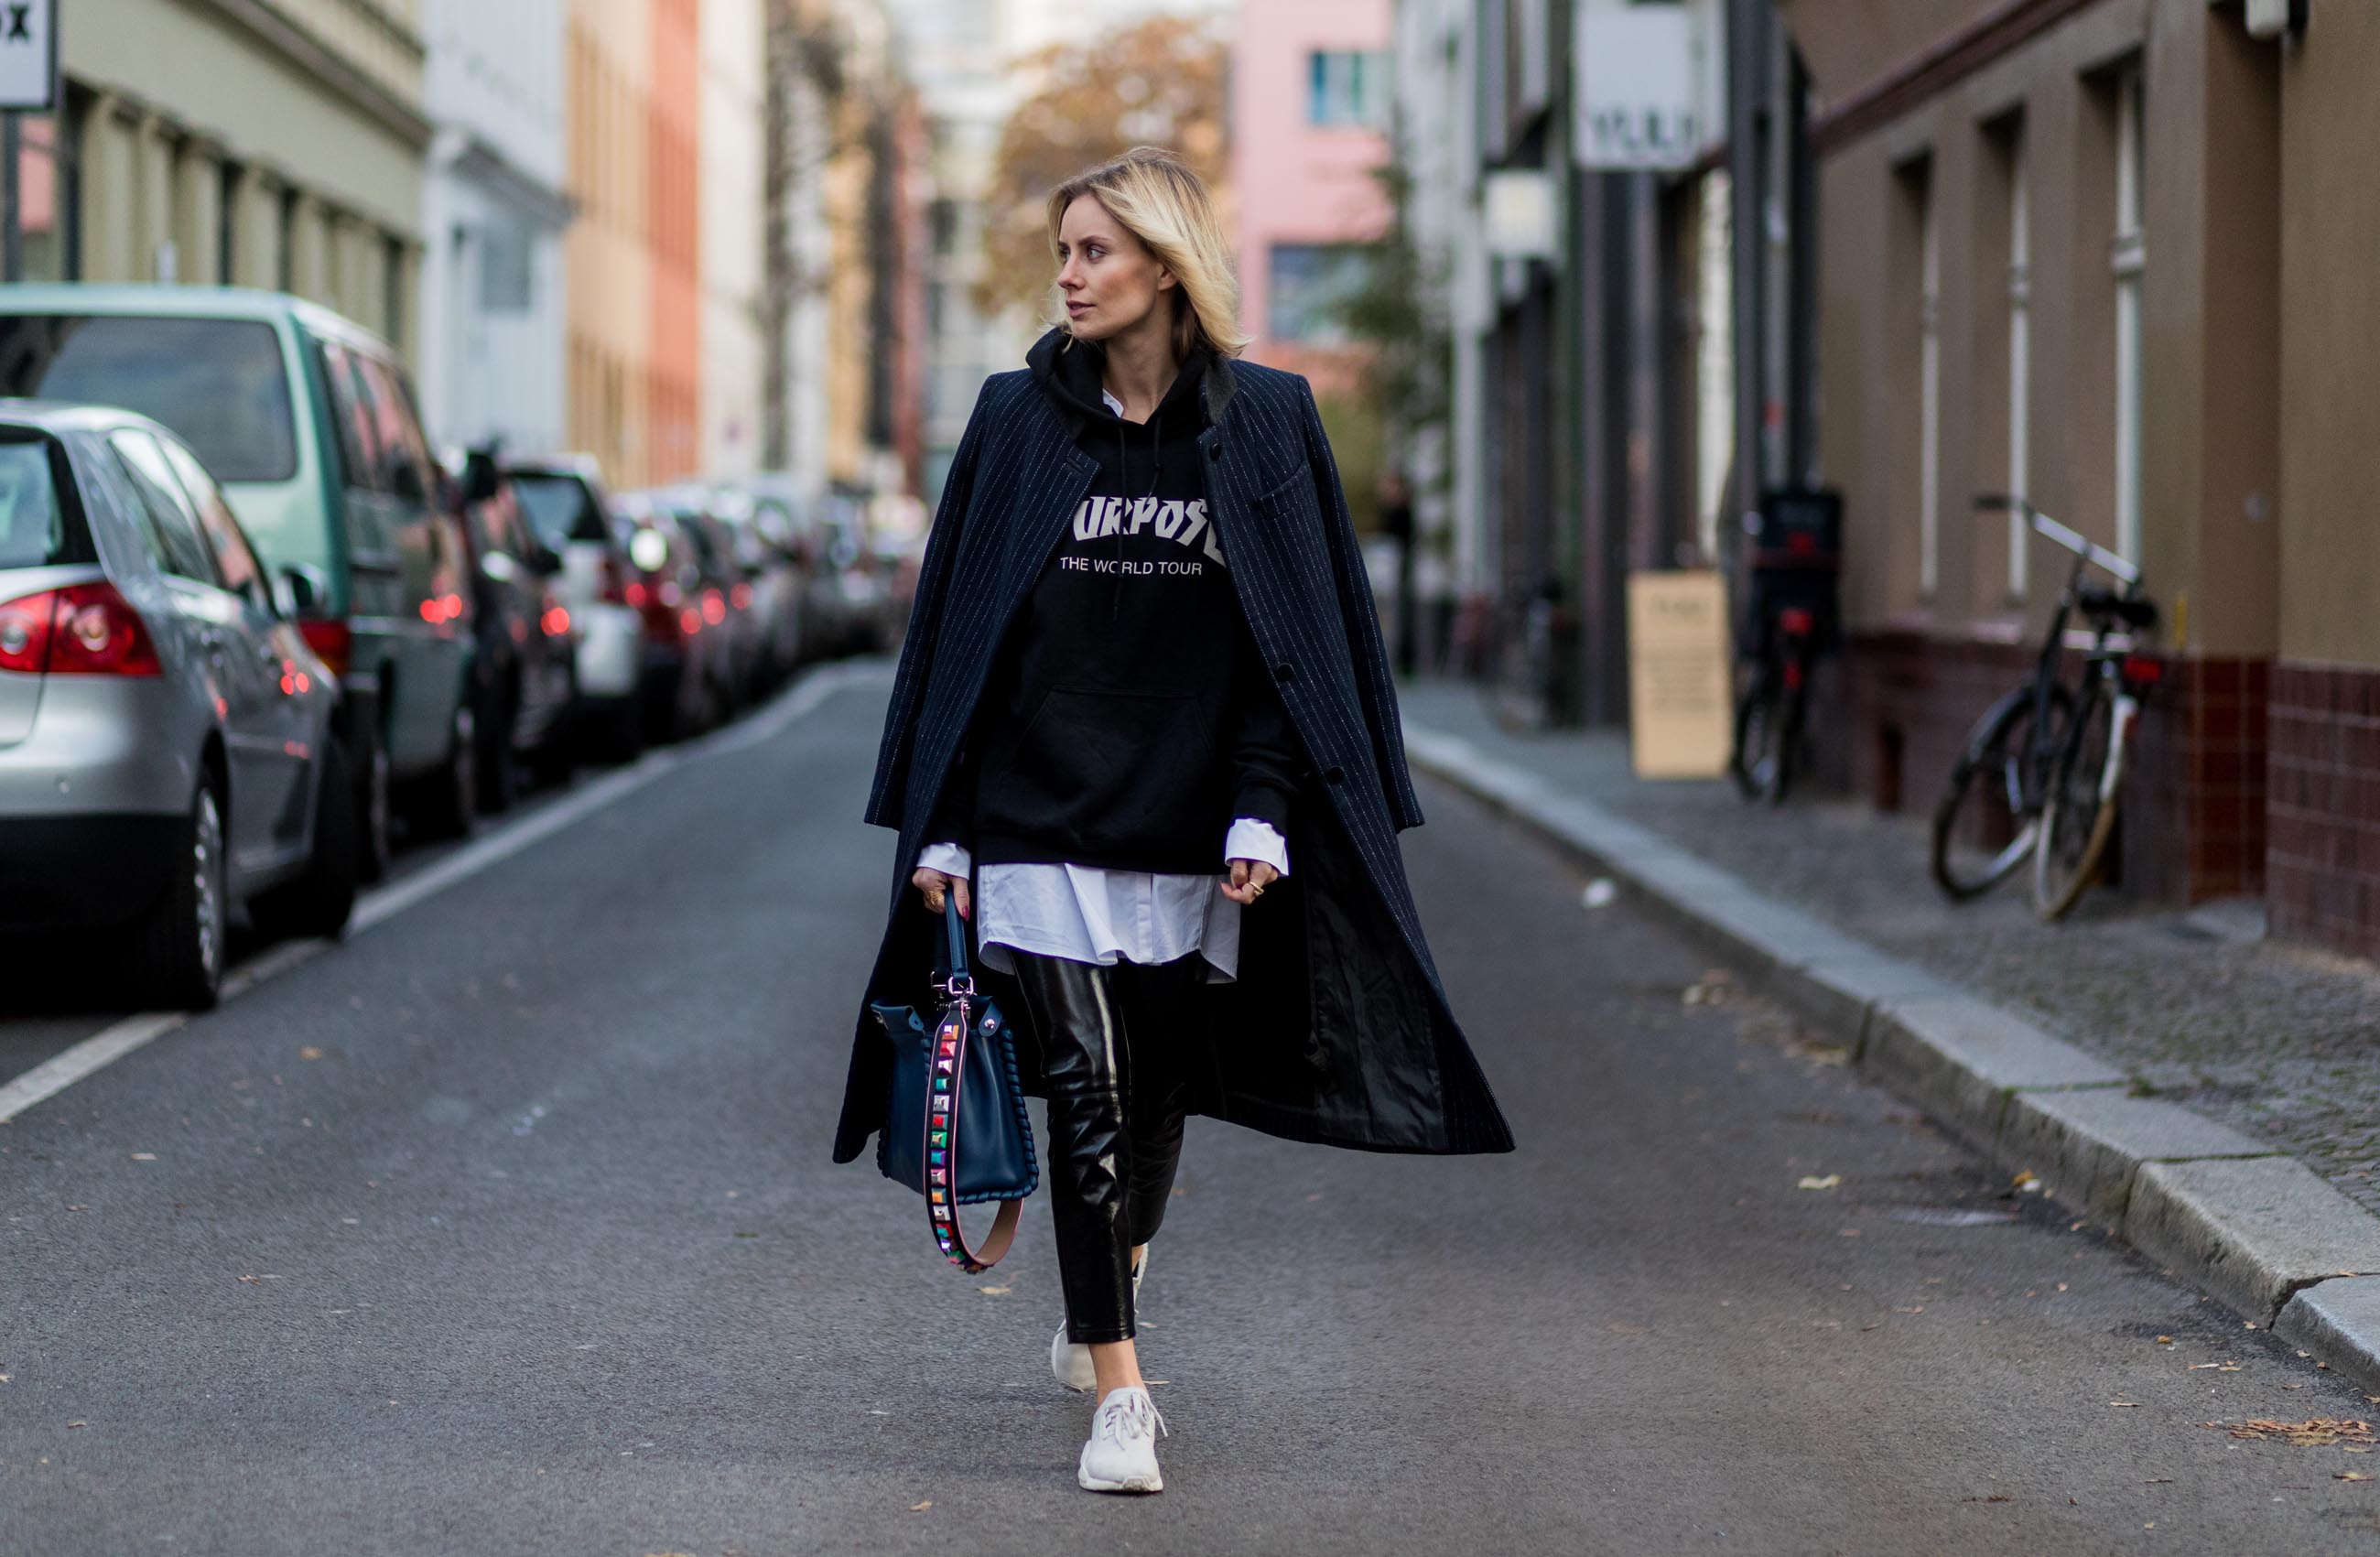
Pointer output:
x,y
2143,670
556,621
333,642
714,608
83,630
25,632
741,596
1795,621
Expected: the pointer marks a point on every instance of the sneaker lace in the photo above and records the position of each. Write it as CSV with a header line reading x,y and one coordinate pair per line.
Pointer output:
x,y
1128,1414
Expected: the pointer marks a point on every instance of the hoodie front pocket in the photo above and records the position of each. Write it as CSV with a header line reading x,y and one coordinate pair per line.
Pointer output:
x,y
1105,767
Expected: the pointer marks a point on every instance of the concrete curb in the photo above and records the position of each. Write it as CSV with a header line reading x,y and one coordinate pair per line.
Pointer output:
x,y
2256,1229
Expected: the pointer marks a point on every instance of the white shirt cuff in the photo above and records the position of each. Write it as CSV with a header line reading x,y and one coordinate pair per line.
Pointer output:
x,y
1251,839
951,859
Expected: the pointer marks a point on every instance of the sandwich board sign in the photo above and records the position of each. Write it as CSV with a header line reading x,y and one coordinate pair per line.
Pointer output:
x,y
1681,719
28,55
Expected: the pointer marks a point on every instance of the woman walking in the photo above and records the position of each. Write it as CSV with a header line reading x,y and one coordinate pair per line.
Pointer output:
x,y
1142,668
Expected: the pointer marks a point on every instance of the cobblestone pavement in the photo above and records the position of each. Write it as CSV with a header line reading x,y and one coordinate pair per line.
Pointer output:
x,y
2278,1041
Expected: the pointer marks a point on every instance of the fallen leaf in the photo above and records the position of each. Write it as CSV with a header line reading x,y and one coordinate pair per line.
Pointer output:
x,y
310,1053
1812,1181
76,1424
921,1507
2165,1341
2217,1367
2061,1286
2319,1432
144,1157
995,1291
1919,1310
2350,1476
2159,1481
2126,1405
2022,1177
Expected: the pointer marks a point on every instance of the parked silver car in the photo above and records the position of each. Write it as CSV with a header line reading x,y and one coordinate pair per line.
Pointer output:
x,y
167,746
565,499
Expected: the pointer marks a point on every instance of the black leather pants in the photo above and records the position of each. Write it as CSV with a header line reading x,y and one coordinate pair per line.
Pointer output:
x,y
1112,1057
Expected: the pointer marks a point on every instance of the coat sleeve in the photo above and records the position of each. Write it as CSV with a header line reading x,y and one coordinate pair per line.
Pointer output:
x,y
888,796
1358,607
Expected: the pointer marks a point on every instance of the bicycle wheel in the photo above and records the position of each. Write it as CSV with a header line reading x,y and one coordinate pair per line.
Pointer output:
x,y
1991,788
2078,817
1759,729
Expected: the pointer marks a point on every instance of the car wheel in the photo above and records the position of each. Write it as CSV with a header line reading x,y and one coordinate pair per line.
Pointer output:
x,y
178,955
319,902
449,798
371,809
499,785
621,735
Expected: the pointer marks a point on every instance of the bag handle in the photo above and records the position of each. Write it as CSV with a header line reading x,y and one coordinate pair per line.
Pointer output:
x,y
945,1067
957,928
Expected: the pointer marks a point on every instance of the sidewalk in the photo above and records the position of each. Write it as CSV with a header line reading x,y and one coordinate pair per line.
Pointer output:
x,y
2058,1049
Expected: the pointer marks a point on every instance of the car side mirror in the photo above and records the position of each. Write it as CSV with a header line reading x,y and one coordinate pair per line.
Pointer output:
x,y
299,590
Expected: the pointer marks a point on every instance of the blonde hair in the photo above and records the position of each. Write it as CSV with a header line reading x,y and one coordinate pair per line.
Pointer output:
x,y
1161,201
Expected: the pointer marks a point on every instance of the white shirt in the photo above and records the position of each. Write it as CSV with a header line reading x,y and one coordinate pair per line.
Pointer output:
x,y
1086,913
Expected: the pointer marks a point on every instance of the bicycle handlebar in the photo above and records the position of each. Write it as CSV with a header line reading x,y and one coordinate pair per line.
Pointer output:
x,y
2080,545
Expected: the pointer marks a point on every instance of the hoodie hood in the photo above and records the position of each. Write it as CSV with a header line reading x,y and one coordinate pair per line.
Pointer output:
x,y
1070,372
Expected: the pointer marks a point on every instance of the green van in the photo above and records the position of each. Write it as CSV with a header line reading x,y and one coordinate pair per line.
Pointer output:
x,y
308,423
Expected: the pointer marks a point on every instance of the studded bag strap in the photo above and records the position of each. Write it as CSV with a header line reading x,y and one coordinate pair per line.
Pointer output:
x,y
944,1131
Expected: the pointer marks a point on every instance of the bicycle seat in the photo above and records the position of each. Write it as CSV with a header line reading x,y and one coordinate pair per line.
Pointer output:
x,y
2103,604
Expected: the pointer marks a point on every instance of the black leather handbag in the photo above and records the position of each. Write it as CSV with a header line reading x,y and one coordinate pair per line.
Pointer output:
x,y
955,1129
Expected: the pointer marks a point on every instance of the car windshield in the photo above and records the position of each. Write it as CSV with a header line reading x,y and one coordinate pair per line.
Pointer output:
x,y
559,506
219,383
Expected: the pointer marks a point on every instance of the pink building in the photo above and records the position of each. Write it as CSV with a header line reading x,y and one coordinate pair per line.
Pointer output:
x,y
1310,115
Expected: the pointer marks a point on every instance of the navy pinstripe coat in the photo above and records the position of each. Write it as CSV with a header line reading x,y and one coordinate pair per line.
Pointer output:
x,y
1337,1029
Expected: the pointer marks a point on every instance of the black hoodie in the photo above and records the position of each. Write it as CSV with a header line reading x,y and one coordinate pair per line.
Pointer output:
x,y
1128,719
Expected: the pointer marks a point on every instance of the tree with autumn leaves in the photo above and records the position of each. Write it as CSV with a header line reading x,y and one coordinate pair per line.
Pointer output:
x,y
1158,82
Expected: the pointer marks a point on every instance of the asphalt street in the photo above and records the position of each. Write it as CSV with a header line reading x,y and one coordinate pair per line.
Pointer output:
x,y
509,1227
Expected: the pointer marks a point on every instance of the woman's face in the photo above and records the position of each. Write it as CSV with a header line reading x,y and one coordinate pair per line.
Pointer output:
x,y
1110,280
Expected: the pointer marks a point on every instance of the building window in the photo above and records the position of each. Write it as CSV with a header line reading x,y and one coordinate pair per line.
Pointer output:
x,y
2127,253
1929,380
1308,289
507,268
46,188
1346,87
2020,358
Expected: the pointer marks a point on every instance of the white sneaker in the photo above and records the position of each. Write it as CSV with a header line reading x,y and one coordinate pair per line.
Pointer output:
x,y
1122,1454
1072,1363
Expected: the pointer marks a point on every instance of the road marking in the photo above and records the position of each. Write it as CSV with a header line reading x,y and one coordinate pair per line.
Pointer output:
x,y
111,1043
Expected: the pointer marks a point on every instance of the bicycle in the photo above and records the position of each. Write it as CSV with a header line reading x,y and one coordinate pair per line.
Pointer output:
x,y
1768,715
2052,758
1792,558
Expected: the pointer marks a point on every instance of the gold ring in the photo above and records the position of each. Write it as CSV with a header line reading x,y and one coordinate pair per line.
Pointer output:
x,y
1256,892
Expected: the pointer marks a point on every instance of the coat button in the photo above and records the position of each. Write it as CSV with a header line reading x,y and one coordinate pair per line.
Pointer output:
x,y
1284,673
1334,774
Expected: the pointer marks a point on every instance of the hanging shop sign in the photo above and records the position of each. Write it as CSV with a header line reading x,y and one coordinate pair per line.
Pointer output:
x,y
1640,87
28,56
